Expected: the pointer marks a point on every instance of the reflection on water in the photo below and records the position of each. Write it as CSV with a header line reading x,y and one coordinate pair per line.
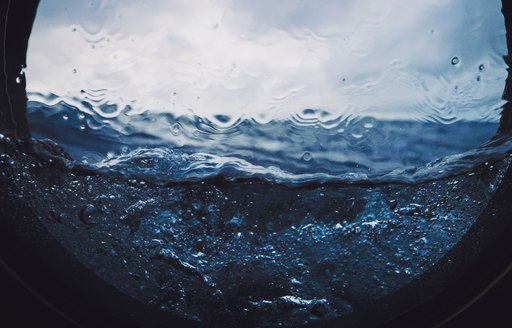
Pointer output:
x,y
294,90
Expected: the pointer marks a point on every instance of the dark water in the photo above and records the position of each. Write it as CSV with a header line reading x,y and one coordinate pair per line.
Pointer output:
x,y
246,253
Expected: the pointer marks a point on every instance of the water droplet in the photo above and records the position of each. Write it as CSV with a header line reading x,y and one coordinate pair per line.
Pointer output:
x,y
6,159
222,118
455,61
89,214
18,80
74,70
65,116
392,204
368,125
307,156
175,129
82,126
481,68
81,116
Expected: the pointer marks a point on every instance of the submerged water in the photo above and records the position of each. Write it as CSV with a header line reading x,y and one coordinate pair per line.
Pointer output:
x,y
341,91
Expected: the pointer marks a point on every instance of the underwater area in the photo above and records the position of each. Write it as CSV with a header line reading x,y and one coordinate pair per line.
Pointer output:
x,y
248,253
240,166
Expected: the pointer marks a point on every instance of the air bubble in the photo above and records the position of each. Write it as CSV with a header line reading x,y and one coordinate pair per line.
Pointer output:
x,y
6,159
307,156
481,68
455,61
18,80
74,71
368,125
89,214
65,116
175,129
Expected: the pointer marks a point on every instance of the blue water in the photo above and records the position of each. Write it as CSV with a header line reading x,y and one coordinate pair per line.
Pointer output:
x,y
299,92
355,151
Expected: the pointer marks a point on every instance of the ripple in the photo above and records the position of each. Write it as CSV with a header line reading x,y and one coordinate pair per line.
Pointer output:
x,y
354,151
331,91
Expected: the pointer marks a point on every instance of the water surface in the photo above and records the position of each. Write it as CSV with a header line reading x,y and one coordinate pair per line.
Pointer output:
x,y
346,91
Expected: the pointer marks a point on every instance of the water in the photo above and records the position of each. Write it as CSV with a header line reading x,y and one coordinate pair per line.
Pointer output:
x,y
178,127
384,152
250,253
344,92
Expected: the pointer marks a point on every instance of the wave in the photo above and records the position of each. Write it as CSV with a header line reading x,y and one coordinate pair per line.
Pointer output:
x,y
165,149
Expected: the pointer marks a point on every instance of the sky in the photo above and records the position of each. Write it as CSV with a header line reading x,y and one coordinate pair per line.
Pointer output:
x,y
268,60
